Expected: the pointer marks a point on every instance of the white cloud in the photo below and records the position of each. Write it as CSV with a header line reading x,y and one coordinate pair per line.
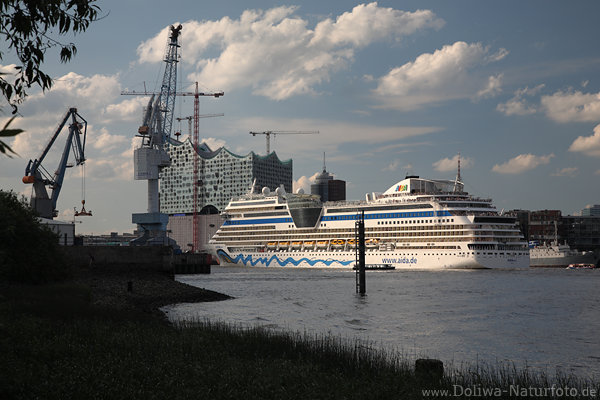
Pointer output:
x,y
436,77
588,145
392,166
451,164
276,54
567,171
108,153
213,143
105,142
304,182
369,22
572,106
521,163
131,109
332,134
518,105
395,165
493,88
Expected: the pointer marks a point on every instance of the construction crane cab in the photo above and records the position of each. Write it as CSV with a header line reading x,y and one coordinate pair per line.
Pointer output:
x,y
40,178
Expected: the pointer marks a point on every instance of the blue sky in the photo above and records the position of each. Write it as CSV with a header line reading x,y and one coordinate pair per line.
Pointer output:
x,y
393,87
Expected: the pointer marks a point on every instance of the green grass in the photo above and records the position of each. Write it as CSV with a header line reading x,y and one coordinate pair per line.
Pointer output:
x,y
56,345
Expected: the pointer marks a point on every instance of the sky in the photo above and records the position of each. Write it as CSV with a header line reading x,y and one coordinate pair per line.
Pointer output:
x,y
393,87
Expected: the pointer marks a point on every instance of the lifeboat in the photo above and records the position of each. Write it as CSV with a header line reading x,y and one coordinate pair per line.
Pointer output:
x,y
296,245
337,243
271,245
371,242
322,244
352,243
283,245
309,244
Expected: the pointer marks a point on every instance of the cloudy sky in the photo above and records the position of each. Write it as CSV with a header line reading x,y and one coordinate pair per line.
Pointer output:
x,y
392,87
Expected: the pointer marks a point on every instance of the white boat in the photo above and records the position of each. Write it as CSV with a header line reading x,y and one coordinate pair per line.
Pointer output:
x,y
559,256
555,255
416,223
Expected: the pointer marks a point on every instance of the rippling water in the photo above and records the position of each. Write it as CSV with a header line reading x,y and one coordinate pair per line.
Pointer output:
x,y
544,318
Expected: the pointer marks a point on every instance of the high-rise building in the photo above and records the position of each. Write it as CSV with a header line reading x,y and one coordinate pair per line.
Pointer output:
x,y
328,188
591,211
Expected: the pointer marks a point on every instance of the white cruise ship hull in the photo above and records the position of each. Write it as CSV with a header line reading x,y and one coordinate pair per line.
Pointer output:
x,y
415,224
345,259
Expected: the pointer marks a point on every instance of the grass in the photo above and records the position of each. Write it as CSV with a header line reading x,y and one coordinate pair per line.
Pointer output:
x,y
55,344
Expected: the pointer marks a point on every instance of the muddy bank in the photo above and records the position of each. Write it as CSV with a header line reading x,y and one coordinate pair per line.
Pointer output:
x,y
144,291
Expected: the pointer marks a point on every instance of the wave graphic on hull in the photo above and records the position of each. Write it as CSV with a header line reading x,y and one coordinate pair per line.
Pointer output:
x,y
274,259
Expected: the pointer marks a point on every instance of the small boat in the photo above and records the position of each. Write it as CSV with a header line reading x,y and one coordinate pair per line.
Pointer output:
x,y
337,243
309,244
296,245
371,242
322,244
377,267
351,243
581,266
283,245
271,245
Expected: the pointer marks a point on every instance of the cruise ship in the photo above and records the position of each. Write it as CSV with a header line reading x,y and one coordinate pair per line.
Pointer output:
x,y
416,223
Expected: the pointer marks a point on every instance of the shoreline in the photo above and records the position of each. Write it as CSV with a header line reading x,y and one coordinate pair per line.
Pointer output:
x,y
142,291
91,337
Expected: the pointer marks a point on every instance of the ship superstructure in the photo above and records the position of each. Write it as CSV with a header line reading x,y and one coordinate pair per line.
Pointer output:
x,y
416,223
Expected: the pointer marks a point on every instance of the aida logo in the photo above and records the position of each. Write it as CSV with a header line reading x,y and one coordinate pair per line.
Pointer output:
x,y
402,188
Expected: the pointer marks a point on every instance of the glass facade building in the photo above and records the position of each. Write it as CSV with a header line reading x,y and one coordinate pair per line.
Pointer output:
x,y
221,176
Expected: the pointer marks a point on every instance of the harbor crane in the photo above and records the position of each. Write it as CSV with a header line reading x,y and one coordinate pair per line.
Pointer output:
x,y
151,157
269,133
155,131
36,174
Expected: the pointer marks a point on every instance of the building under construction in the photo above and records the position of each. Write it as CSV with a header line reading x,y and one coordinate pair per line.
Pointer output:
x,y
222,175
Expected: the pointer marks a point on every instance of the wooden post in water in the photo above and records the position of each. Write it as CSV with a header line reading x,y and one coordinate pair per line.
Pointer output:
x,y
361,284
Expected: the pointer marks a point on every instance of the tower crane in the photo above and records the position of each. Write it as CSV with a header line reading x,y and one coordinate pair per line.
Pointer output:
x,y
269,133
191,118
36,174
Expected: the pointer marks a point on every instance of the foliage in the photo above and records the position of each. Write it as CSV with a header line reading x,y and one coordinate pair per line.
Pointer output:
x,y
26,26
29,251
5,132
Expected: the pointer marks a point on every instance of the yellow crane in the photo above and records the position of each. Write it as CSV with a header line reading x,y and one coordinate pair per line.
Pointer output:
x,y
269,133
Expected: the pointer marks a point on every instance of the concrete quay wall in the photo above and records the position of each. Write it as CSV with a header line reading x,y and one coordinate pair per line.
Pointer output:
x,y
137,258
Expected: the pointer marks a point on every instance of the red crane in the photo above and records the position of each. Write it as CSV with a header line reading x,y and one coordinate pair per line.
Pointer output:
x,y
195,224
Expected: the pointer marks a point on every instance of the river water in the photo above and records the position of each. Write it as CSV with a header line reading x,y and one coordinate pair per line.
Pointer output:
x,y
547,319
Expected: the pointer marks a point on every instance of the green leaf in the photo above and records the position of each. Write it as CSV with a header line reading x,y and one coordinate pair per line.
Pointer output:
x,y
5,132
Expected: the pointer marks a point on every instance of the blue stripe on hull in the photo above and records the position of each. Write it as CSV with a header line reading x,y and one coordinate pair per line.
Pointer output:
x,y
396,215
267,261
